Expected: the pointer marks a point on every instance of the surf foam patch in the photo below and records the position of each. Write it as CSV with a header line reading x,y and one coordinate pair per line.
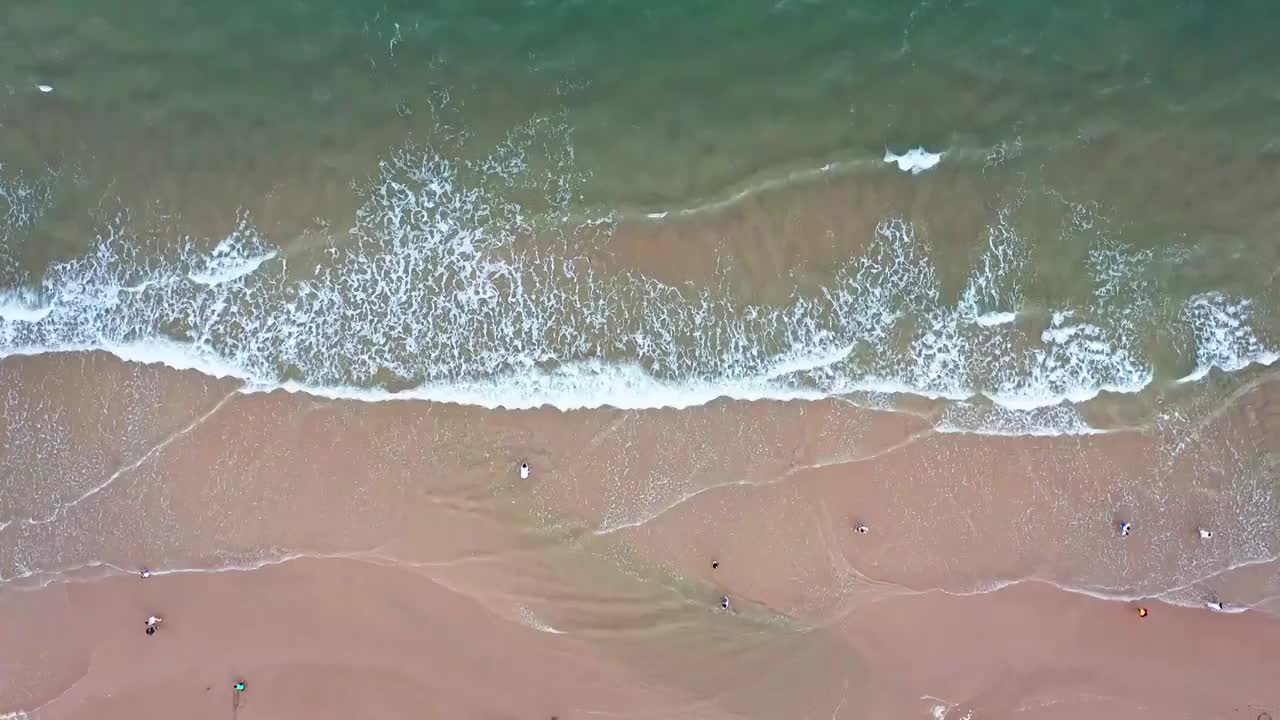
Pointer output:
x,y
914,161
1224,334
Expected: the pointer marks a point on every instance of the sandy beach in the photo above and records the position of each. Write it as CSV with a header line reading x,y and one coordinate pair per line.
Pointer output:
x,y
331,638
409,572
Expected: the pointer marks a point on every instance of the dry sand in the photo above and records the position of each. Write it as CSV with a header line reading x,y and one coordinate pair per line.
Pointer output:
x,y
433,582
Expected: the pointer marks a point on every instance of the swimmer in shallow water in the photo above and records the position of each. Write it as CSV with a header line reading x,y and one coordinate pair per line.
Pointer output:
x,y
1205,534
1126,528
724,602
1216,605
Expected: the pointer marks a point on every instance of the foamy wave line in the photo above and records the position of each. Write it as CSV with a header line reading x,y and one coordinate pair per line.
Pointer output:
x,y
1080,429
23,307
421,290
88,572
1265,358
1225,339
1166,596
590,385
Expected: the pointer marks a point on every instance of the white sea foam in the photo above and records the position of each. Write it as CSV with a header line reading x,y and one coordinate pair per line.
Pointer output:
x,y
915,161
570,387
238,255
1224,334
994,318
22,306
983,419
432,285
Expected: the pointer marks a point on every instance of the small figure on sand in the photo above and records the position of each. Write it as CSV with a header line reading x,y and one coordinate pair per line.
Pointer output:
x,y
1206,534
1126,527
715,564
862,529
145,573
1142,612
724,602
153,622
239,686
524,471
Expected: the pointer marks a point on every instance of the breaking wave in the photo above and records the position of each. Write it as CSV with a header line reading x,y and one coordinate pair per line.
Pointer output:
x,y
460,281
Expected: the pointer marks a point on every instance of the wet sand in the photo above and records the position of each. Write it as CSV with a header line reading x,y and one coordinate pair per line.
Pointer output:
x,y
385,558
333,638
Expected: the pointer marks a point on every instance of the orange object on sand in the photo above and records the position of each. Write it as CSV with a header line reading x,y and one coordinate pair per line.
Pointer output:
x,y
1142,612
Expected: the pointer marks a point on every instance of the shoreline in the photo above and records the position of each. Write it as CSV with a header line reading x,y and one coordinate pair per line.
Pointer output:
x,y
420,514
395,640
628,477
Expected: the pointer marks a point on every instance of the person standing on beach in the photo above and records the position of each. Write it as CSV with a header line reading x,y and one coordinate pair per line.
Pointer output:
x,y
525,471
153,622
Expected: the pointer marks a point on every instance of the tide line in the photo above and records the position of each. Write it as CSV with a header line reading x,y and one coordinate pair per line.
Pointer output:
x,y
62,509
610,529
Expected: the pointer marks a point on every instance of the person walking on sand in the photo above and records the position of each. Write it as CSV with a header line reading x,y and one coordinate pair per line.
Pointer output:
x,y
237,691
525,471
862,529
1142,612
145,573
153,622
724,602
